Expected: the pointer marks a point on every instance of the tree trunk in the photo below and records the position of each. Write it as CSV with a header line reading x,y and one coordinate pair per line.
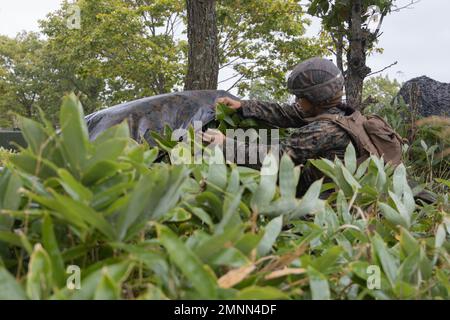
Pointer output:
x,y
340,52
203,59
356,57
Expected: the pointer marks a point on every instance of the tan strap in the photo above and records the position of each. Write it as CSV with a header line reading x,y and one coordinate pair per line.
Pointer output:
x,y
321,117
353,125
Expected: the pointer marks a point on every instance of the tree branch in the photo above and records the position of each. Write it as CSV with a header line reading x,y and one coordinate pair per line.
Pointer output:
x,y
229,78
234,84
385,68
407,6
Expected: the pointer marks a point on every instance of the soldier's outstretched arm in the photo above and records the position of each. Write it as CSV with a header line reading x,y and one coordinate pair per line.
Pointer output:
x,y
279,115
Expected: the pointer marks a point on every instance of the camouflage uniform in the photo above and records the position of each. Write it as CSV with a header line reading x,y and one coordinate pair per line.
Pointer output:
x,y
319,139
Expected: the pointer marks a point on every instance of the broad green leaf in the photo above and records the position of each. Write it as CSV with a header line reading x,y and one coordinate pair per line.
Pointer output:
x,y
107,197
350,158
440,236
10,238
152,292
444,279
73,187
404,290
426,266
203,216
381,174
10,289
362,169
188,263
107,288
401,208
34,134
310,201
281,206
218,241
248,242
229,257
350,179
402,189
389,264
150,156
233,185
51,246
172,193
271,233
343,207
320,289
146,189
120,131
74,133
399,181
30,164
326,166
59,209
230,210
212,202
268,183
117,271
261,293
9,191
154,261
289,175
393,216
108,151
325,262
177,215
39,277
86,213
100,171
409,266
217,172
407,242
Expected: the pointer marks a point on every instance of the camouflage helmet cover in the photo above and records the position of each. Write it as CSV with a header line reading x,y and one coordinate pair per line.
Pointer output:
x,y
316,79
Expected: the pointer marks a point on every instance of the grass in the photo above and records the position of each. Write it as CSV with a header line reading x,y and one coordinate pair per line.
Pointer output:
x,y
137,229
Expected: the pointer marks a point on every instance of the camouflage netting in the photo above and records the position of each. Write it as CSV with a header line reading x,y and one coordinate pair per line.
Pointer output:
x,y
433,97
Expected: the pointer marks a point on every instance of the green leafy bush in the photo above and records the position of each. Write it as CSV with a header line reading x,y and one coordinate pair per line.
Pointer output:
x,y
426,155
4,156
144,230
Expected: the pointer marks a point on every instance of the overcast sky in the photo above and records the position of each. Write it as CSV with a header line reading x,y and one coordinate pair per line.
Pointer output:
x,y
418,38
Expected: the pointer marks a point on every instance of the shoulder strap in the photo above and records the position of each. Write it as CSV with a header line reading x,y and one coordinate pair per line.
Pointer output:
x,y
354,125
326,116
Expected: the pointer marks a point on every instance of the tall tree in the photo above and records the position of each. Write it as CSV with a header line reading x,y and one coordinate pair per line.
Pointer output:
x,y
123,51
130,49
354,26
203,58
261,41
25,78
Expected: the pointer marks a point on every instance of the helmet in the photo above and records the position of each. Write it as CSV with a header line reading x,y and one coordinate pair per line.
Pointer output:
x,y
316,79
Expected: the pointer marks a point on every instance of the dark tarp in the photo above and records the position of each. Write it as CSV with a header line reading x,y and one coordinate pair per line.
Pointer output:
x,y
177,110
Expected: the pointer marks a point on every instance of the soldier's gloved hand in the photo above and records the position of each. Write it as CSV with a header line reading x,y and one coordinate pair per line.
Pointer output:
x,y
233,104
214,136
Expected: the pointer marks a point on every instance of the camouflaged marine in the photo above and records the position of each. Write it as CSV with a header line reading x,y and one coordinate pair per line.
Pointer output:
x,y
323,124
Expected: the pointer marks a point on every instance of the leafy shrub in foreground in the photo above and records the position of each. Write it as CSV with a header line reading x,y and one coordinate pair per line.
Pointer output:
x,y
144,230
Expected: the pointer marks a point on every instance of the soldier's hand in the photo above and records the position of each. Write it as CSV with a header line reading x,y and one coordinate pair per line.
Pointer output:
x,y
233,104
213,136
